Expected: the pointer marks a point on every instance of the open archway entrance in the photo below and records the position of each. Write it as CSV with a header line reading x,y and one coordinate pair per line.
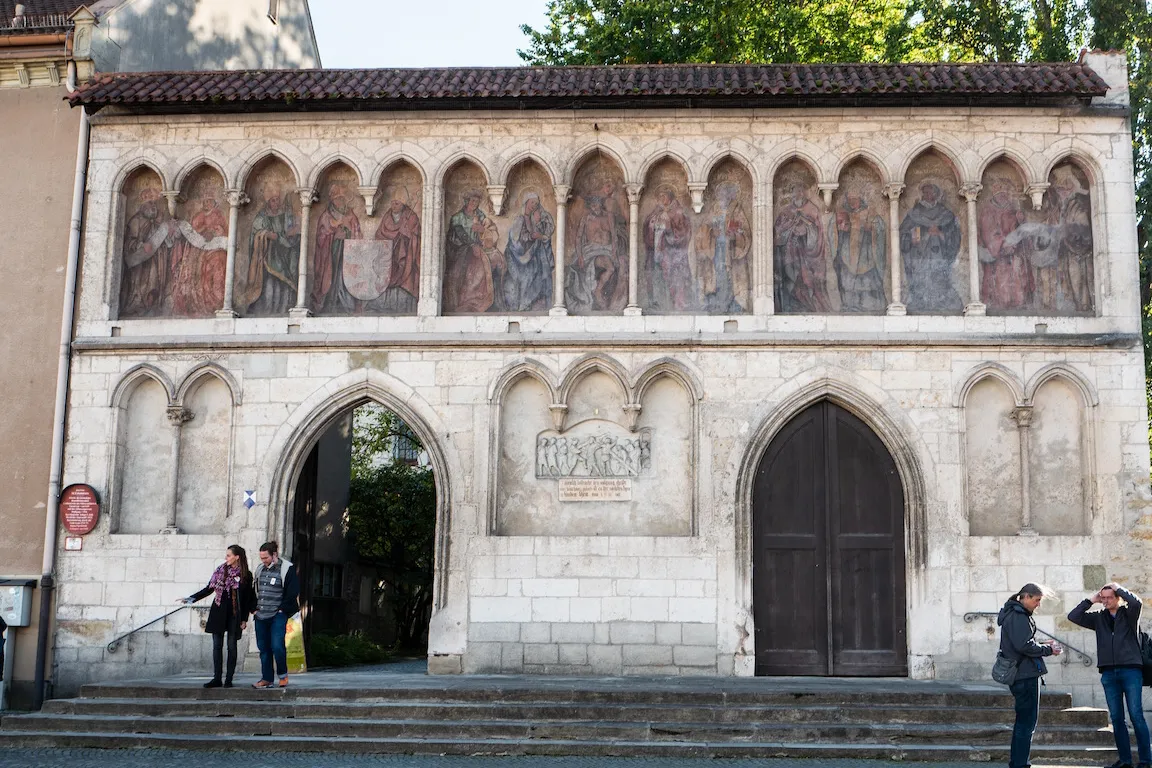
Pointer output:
x,y
363,523
828,564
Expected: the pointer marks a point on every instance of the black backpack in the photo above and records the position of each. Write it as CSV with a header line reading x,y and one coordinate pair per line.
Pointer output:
x,y
1146,656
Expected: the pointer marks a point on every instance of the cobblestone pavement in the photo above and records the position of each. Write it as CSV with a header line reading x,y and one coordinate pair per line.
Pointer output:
x,y
148,758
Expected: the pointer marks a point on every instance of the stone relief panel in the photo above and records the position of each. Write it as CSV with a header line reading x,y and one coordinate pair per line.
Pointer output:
x,y
268,246
933,229
145,471
1057,461
596,268
499,262
992,461
145,253
801,255
723,242
595,476
205,440
858,241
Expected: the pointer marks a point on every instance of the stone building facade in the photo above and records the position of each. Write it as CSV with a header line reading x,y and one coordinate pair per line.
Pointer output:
x,y
698,384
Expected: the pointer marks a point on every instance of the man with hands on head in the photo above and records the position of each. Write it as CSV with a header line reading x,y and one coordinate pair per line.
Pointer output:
x,y
1120,664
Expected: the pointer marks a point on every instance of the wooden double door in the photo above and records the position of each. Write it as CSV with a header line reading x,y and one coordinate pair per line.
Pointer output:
x,y
828,551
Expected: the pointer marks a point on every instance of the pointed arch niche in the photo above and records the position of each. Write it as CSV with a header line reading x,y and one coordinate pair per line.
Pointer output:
x,y
204,479
933,237
144,456
858,241
607,457
597,238
992,459
144,257
339,218
800,241
268,245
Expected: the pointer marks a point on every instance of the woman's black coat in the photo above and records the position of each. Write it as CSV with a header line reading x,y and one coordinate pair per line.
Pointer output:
x,y
221,616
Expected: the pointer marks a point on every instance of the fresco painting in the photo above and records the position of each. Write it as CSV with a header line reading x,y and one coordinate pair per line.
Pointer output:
x,y
1065,281
933,229
1007,282
505,262
800,243
336,222
400,212
858,238
666,233
723,243
144,271
596,267
268,247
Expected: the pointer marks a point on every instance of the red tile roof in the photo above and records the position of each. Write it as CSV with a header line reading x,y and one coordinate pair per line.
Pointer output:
x,y
603,87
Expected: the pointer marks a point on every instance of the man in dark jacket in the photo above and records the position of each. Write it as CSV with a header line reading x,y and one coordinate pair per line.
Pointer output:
x,y
277,599
1120,664
1018,642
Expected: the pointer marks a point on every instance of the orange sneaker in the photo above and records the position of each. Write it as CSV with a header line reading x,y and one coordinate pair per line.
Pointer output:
x,y
263,684
284,681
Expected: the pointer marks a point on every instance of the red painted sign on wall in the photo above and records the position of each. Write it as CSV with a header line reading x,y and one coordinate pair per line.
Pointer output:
x,y
79,509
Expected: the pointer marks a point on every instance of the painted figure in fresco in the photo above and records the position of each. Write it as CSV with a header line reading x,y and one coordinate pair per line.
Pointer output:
x,y
723,245
529,258
597,279
400,224
145,278
274,254
929,244
801,256
861,241
1006,282
338,223
199,260
475,265
667,235
1072,211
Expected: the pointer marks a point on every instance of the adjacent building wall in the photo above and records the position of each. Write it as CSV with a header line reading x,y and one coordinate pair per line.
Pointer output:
x,y
38,155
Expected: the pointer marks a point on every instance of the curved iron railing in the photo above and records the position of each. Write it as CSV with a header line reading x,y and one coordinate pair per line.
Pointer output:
x,y
115,644
1084,658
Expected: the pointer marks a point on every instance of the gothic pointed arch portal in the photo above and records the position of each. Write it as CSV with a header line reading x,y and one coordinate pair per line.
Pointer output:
x,y
362,531
828,566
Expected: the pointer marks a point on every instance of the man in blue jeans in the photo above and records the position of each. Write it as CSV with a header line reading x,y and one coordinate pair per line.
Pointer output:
x,y
1118,657
277,599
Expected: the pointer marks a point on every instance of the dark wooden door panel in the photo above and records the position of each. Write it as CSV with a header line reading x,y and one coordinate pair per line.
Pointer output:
x,y
828,563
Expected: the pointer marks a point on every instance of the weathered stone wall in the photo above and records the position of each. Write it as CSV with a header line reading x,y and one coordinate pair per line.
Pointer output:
x,y
547,594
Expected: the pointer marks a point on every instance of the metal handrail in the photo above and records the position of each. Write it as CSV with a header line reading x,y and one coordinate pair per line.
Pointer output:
x,y
115,644
1085,659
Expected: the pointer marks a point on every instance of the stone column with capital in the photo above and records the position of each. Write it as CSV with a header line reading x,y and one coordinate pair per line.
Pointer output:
x,y
559,307
431,252
236,198
893,192
634,191
307,197
763,244
1022,415
178,416
975,307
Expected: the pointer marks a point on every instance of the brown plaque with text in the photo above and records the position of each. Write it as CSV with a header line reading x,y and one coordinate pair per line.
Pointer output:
x,y
79,509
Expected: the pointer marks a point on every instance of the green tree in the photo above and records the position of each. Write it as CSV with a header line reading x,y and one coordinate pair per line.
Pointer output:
x,y
392,518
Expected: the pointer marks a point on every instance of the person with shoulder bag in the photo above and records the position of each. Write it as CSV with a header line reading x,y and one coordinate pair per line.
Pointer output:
x,y
233,602
1018,644
1121,665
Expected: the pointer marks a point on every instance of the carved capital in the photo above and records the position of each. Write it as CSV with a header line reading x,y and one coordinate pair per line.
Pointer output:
x,y
696,188
558,411
1036,192
633,191
894,190
236,198
563,192
970,191
178,415
496,197
632,415
307,196
826,189
369,195
1022,415
173,197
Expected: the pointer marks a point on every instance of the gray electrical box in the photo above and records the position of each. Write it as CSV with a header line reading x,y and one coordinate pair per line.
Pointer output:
x,y
16,601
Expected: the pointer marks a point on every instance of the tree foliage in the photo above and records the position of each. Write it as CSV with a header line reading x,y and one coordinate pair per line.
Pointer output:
x,y
821,31
392,519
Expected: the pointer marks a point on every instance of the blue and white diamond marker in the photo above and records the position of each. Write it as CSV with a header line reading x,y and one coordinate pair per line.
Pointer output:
x,y
249,499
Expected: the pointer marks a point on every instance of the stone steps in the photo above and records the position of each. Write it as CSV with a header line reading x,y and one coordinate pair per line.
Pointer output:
x,y
493,715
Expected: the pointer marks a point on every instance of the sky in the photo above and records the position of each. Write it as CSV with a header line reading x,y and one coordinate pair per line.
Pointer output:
x,y
423,33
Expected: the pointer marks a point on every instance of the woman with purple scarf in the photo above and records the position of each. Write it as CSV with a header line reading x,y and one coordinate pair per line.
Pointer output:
x,y
233,601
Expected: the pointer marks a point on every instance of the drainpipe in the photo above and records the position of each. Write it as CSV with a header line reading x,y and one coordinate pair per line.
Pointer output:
x,y
47,580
